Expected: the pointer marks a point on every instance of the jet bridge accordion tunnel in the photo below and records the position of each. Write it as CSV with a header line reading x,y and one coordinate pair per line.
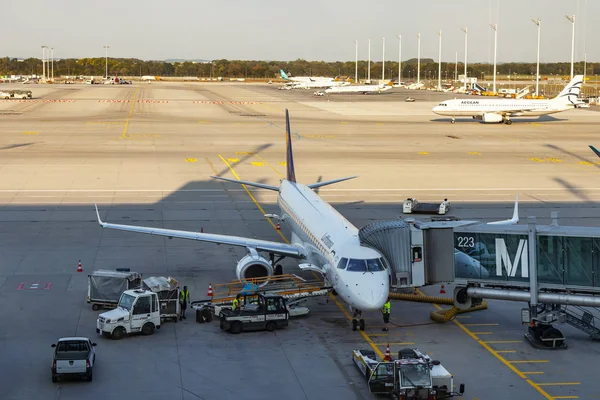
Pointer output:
x,y
417,257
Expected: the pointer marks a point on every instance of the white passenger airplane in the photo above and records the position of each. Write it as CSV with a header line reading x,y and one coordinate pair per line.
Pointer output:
x,y
285,77
364,89
319,84
322,239
501,110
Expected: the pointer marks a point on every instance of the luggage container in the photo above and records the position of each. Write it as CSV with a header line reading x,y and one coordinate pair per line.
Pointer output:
x,y
105,287
167,290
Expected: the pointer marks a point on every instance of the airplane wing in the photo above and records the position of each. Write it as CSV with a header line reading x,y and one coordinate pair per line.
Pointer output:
x,y
289,250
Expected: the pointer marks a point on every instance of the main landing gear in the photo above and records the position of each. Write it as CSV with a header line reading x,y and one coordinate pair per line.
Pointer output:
x,y
357,320
506,120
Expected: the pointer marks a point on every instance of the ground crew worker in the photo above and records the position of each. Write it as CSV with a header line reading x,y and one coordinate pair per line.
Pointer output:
x,y
236,303
184,299
386,314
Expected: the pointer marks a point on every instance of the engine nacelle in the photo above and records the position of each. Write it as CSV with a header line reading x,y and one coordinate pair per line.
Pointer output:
x,y
491,117
253,266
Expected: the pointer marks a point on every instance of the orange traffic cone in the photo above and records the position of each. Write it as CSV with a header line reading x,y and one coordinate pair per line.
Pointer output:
x,y
210,291
415,291
79,267
388,354
442,290
278,226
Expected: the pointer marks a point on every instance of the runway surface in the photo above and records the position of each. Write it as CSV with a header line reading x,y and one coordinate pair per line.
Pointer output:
x,y
145,153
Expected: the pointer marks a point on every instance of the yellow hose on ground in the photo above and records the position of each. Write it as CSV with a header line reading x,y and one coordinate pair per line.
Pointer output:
x,y
443,315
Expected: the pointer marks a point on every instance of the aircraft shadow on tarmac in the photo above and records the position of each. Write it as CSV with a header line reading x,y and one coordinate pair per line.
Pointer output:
x,y
590,160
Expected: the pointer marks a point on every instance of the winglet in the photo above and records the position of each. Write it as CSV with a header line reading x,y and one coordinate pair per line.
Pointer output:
x,y
595,150
291,173
98,215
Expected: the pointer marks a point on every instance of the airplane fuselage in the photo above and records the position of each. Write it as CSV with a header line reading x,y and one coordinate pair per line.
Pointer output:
x,y
479,107
330,242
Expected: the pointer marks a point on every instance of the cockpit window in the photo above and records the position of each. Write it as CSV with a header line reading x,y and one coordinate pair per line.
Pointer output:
x,y
342,264
357,265
442,105
375,264
372,265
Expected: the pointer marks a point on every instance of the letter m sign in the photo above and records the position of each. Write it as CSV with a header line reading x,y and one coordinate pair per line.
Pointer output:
x,y
511,267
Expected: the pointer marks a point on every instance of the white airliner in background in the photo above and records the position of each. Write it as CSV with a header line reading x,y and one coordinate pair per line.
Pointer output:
x,y
322,239
285,77
319,84
501,110
364,89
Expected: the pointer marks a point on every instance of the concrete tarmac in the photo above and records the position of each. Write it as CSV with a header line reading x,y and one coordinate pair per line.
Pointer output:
x,y
145,153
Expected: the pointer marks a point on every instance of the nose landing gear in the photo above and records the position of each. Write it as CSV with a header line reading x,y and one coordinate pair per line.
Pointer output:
x,y
357,320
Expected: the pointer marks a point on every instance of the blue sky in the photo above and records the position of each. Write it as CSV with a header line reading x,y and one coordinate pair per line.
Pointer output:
x,y
287,30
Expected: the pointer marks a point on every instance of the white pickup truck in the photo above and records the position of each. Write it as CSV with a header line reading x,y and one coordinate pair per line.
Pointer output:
x,y
73,356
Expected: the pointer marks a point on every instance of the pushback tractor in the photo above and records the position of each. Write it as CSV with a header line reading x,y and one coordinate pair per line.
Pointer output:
x,y
413,376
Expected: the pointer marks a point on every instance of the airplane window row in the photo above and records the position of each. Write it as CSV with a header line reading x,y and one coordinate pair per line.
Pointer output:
x,y
304,228
358,265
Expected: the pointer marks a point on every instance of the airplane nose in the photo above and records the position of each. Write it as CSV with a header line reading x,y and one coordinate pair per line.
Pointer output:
x,y
374,293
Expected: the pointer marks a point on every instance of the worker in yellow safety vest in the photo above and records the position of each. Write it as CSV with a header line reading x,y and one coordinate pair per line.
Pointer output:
x,y
386,314
236,303
184,299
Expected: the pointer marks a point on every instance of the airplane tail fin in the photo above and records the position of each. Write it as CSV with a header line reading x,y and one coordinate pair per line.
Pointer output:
x,y
513,220
283,75
289,155
595,150
571,92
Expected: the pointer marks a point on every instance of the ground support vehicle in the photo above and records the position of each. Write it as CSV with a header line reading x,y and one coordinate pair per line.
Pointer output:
x,y
167,290
413,206
136,312
105,287
256,312
291,287
73,356
21,94
413,376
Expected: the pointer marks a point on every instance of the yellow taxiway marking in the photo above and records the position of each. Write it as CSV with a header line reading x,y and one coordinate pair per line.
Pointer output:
x,y
378,334
335,300
565,397
528,361
190,159
423,153
553,159
379,123
586,163
534,373
343,122
474,153
106,122
502,341
395,344
536,159
282,163
257,164
558,383
482,333
233,160
243,153
30,133
498,356
265,162
480,324
505,351
124,133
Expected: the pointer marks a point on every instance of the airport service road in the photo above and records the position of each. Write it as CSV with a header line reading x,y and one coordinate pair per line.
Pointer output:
x,y
145,154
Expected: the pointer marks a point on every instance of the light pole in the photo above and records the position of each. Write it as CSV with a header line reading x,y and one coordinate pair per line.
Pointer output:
x,y
418,58
356,65
44,62
456,67
399,59
538,22
584,66
466,44
383,62
495,28
572,19
440,63
52,48
106,47
369,64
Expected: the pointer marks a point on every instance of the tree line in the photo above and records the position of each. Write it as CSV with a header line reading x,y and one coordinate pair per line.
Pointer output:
x,y
270,69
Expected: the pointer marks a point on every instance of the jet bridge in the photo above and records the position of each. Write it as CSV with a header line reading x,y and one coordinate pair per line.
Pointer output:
x,y
555,269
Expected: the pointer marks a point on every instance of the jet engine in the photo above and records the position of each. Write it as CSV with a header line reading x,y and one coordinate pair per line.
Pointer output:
x,y
253,266
491,117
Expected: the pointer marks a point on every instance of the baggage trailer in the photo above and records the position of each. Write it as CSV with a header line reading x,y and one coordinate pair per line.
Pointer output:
x,y
412,376
105,287
167,290
292,288
413,206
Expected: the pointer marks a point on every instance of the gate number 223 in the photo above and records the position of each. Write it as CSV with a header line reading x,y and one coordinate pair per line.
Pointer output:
x,y
466,241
